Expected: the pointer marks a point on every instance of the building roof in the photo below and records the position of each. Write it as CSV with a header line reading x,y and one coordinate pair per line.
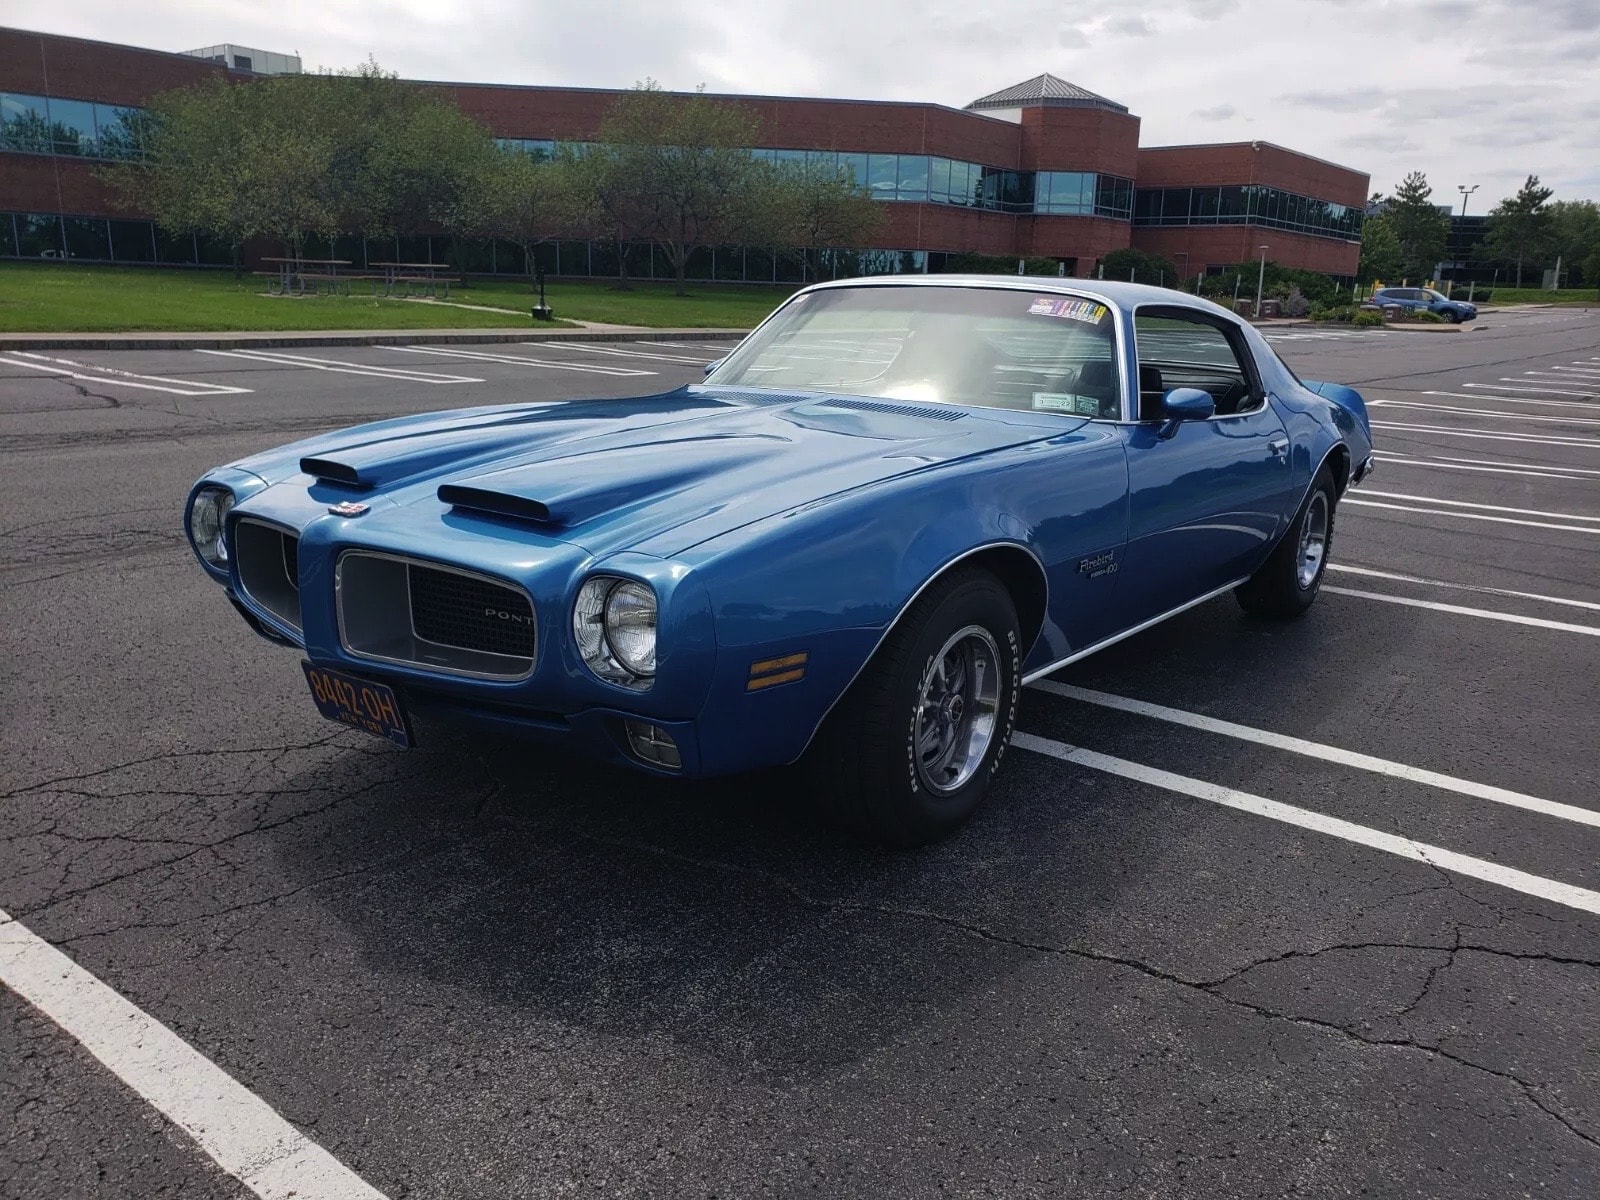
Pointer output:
x,y
1047,91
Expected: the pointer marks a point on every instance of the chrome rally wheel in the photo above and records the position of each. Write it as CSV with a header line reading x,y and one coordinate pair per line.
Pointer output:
x,y
959,710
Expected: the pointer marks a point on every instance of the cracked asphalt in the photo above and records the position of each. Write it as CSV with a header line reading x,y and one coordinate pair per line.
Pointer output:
x,y
479,970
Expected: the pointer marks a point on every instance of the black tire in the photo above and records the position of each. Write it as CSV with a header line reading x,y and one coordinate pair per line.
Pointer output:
x,y
1281,588
865,759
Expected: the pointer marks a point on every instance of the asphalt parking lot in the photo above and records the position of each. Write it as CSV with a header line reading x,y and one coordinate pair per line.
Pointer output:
x,y
1257,910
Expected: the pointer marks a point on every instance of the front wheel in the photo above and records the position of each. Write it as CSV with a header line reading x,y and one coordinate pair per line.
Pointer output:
x,y
1452,316
908,753
1289,580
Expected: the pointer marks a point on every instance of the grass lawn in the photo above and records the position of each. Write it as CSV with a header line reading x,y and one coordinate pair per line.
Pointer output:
x,y
1509,295
707,306
56,297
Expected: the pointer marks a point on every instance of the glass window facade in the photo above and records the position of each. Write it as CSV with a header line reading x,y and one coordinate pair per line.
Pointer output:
x,y
1247,204
55,125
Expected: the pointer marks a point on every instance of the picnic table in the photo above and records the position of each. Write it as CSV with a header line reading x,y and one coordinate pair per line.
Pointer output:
x,y
415,278
292,276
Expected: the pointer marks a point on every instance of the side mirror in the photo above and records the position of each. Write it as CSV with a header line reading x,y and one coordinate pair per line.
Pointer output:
x,y
712,366
1185,404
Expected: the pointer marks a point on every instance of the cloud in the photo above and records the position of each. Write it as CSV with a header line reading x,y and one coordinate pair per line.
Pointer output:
x,y
1217,112
1072,38
1130,27
1211,10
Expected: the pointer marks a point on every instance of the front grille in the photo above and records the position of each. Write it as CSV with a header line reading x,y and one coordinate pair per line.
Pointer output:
x,y
470,612
268,557
397,609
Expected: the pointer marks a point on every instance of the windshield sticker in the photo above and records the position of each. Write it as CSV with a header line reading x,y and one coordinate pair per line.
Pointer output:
x,y
1083,406
1072,310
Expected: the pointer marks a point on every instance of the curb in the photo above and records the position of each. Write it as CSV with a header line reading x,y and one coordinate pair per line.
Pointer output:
x,y
376,337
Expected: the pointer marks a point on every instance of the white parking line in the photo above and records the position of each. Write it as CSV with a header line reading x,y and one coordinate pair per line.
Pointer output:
x,y
1332,754
1535,466
1574,474
1493,435
339,367
1469,516
711,349
1462,611
1553,890
1492,414
1516,385
1490,395
178,387
614,352
239,1130
1527,512
1465,587
522,360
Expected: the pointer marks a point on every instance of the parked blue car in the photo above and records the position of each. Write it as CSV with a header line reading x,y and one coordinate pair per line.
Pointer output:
x,y
896,502
1414,299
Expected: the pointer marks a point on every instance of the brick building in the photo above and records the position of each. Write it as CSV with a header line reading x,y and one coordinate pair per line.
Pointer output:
x,y
1044,169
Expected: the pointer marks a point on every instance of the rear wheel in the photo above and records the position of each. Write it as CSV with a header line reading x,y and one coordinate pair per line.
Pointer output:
x,y
908,753
1289,580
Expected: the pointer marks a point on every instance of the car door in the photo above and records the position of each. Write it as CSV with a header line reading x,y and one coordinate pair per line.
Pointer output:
x,y
1207,498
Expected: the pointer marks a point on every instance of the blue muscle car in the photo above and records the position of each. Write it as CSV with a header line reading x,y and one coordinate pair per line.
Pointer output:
x,y
893,504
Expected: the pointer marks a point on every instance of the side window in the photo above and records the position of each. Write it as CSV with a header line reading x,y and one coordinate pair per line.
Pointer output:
x,y
1181,351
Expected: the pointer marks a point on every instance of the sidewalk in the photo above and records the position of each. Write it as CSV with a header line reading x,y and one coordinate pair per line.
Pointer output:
x,y
589,332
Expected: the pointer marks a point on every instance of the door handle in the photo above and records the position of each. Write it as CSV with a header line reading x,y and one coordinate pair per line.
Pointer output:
x,y
1278,448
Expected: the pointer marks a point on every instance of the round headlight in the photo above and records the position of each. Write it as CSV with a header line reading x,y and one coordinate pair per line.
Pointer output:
x,y
207,517
631,626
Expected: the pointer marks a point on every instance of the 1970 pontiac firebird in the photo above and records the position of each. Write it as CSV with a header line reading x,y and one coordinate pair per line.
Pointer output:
x,y
894,503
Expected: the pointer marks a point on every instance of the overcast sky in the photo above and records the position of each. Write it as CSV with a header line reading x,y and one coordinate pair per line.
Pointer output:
x,y
1468,91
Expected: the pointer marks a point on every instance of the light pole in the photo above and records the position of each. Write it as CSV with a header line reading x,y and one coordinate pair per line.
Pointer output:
x,y
1261,279
1458,263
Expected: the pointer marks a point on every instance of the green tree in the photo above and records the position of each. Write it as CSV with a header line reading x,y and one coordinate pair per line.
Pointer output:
x,y
1520,227
675,170
1140,267
1575,237
1381,255
296,156
811,206
520,199
1419,225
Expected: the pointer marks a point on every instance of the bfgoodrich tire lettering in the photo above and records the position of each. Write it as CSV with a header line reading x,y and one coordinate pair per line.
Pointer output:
x,y
1289,580
907,755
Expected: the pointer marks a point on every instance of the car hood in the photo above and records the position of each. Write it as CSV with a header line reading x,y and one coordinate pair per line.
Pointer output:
x,y
658,474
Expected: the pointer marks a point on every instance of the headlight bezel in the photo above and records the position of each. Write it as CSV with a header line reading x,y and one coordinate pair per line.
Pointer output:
x,y
600,632
207,526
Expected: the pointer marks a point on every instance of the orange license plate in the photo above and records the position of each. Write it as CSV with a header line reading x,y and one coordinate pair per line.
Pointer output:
x,y
359,703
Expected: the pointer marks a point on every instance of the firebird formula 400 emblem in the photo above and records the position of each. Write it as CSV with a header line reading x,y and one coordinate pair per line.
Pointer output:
x,y
348,508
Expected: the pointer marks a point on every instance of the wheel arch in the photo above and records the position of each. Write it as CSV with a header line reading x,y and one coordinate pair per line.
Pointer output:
x,y
1016,567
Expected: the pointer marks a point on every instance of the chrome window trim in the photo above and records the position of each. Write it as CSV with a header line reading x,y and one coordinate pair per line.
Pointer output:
x,y
1254,367
408,561
296,631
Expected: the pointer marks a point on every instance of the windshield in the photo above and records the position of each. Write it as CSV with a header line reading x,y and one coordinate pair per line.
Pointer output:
x,y
1430,294
987,347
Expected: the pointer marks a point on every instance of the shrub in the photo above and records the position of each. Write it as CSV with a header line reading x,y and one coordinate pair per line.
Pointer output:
x,y
1294,303
1426,317
1366,318
1332,312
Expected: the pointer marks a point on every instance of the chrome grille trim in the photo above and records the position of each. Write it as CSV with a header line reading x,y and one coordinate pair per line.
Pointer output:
x,y
264,552
377,619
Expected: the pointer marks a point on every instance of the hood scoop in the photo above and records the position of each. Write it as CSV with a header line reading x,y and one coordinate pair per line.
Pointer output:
x,y
330,471
500,504
927,411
